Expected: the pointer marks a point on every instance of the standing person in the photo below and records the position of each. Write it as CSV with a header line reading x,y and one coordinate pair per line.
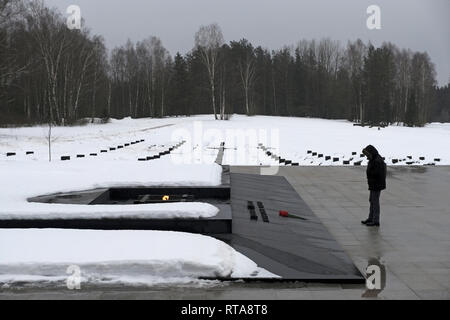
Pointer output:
x,y
376,178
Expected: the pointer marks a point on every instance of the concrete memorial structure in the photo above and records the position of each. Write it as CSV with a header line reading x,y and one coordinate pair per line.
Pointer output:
x,y
294,245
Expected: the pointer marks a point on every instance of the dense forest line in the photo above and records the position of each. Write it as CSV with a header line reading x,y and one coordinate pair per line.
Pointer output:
x,y
49,73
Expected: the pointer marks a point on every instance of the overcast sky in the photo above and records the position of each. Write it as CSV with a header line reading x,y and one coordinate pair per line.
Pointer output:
x,y
421,25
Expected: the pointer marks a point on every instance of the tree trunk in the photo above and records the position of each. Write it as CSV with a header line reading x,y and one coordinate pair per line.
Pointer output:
x,y
213,98
109,99
94,92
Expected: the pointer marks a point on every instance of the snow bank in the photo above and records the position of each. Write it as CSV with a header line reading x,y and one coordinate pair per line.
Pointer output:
x,y
23,180
119,256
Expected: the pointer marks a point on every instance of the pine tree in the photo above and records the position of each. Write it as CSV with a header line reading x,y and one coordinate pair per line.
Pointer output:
x,y
179,89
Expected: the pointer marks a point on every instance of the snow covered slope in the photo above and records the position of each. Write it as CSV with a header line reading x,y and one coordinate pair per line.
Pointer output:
x,y
290,138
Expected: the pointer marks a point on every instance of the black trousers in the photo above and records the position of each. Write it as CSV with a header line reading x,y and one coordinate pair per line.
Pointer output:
x,y
374,199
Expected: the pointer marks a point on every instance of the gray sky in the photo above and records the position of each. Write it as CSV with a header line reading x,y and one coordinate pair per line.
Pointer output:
x,y
421,25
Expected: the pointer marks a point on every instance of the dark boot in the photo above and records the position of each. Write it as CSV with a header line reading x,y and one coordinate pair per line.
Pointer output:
x,y
372,224
365,221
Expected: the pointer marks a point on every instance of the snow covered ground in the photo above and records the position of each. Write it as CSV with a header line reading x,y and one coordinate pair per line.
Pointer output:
x,y
106,155
290,138
148,257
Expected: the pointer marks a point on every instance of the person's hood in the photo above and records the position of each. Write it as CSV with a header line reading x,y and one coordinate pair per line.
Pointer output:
x,y
371,150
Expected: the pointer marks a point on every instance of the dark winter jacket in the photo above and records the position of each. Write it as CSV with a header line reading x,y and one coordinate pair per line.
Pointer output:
x,y
376,169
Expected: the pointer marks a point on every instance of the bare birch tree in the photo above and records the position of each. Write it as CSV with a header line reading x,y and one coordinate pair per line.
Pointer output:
x,y
246,65
208,41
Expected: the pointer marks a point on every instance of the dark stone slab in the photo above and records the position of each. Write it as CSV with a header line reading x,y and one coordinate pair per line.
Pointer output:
x,y
219,193
112,149
80,155
422,158
65,158
327,158
252,211
295,249
29,152
103,151
262,211
335,159
10,154
220,154
220,224
93,155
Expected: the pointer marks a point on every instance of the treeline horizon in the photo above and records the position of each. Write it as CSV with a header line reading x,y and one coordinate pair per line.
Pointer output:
x,y
49,73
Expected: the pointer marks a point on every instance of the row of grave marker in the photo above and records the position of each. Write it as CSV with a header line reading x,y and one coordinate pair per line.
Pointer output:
x,y
67,158
161,154
268,153
337,159
358,163
278,158
12,154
